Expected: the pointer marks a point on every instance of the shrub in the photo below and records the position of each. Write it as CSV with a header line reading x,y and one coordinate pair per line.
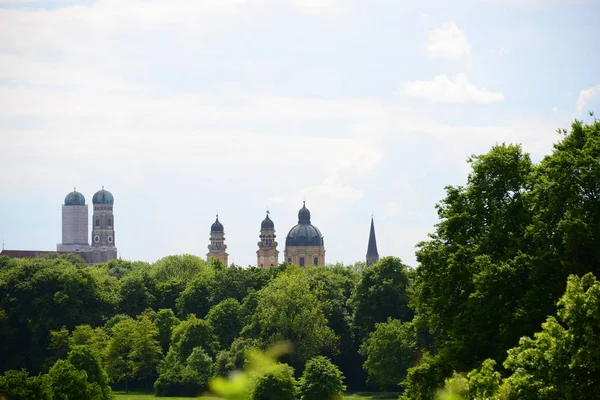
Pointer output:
x,y
179,380
276,383
321,380
425,378
18,385
70,383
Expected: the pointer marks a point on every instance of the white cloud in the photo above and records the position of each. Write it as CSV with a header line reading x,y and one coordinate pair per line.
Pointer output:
x,y
499,52
587,95
448,42
457,89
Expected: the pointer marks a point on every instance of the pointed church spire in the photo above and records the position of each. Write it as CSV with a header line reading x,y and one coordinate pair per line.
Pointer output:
x,y
372,254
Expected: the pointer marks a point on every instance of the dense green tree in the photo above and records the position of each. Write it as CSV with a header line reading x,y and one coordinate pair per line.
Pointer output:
x,y
201,363
276,383
96,338
563,360
425,377
165,321
69,383
85,358
137,293
226,320
389,350
179,380
321,380
39,296
380,294
288,311
119,363
196,298
191,333
183,267
145,350
18,385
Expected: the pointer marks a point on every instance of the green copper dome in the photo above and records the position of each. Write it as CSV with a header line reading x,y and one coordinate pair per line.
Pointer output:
x,y
103,197
74,199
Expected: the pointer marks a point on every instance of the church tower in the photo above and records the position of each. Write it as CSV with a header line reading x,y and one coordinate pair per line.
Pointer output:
x,y
74,224
103,228
217,245
267,254
372,254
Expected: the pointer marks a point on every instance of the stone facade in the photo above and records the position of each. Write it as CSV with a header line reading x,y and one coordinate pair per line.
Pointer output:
x,y
74,228
305,256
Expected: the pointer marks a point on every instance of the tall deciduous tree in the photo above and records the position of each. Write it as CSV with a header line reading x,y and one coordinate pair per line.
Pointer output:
x,y
381,294
390,350
287,310
226,320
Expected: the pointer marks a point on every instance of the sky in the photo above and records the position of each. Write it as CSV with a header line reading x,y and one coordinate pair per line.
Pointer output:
x,y
183,109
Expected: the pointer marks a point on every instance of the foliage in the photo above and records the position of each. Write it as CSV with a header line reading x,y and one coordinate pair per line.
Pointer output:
x,y
276,383
18,385
192,333
201,363
380,294
563,360
239,385
390,350
42,295
137,293
321,380
165,321
119,363
179,381
484,383
145,350
70,383
425,377
84,358
226,320
288,311
181,267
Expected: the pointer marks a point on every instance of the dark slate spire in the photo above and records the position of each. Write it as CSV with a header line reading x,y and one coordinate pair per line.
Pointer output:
x,y
372,255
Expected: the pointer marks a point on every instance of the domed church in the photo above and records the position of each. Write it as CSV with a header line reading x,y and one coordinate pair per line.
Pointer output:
x,y
304,243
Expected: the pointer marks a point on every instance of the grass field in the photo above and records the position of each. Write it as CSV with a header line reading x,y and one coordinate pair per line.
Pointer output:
x,y
350,396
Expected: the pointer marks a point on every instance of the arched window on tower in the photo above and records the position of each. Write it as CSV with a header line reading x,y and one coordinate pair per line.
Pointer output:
x,y
97,221
109,222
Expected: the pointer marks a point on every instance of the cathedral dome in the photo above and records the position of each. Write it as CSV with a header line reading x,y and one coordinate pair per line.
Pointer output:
x,y
267,223
74,199
217,226
103,197
304,234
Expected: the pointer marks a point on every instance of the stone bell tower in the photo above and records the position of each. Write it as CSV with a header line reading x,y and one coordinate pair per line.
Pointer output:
x,y
103,244
217,245
267,254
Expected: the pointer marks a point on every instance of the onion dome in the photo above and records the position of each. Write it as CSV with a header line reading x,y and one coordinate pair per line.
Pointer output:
x,y
267,223
74,199
103,197
304,234
217,226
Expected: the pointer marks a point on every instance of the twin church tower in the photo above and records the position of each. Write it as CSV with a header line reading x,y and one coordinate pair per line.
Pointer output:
x,y
304,243
75,227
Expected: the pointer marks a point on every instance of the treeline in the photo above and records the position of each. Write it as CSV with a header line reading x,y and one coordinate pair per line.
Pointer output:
x,y
487,313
